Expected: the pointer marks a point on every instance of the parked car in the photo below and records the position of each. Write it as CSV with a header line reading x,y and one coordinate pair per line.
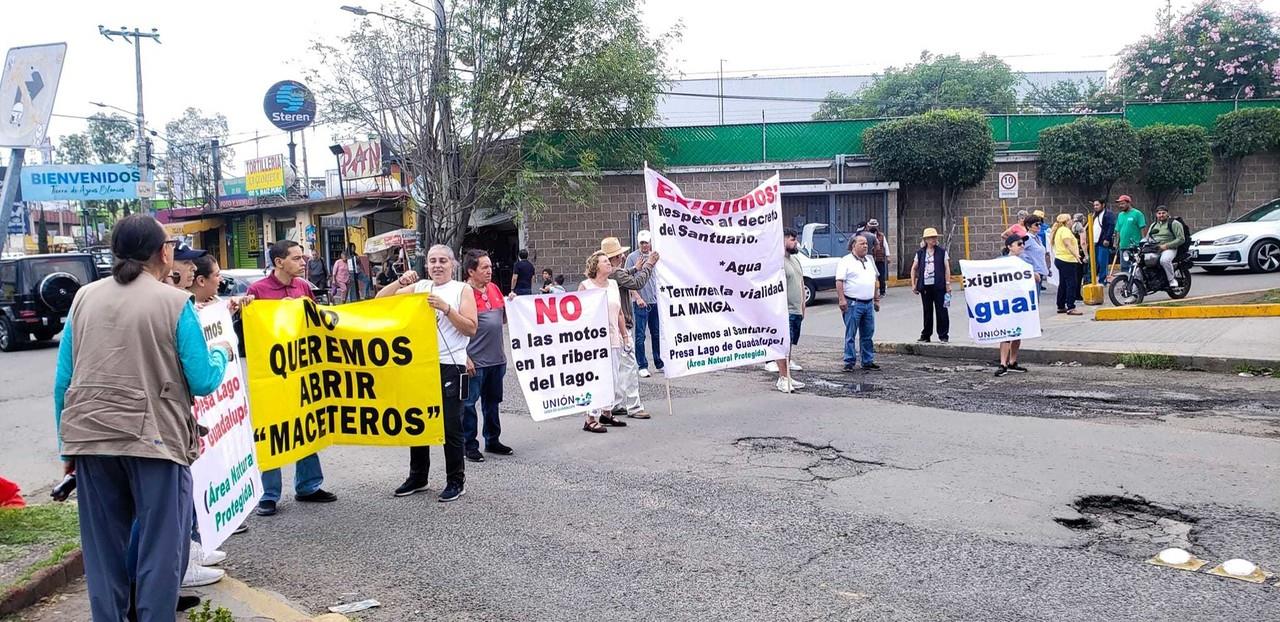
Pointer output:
x,y
103,259
36,293
1252,241
819,270
236,282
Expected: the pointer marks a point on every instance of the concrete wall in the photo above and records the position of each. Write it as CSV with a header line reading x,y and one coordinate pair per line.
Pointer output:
x,y
565,233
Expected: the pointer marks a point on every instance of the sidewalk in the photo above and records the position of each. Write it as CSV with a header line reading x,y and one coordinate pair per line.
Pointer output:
x,y
245,604
900,320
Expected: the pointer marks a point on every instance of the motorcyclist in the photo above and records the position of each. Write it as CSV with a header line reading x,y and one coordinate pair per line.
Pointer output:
x,y
1170,235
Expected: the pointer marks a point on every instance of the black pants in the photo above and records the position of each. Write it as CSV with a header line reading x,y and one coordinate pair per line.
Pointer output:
x,y
882,267
1068,283
931,299
454,465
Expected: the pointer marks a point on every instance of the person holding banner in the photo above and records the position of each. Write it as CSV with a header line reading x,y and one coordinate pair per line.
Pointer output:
x,y
793,274
1066,258
856,279
645,306
455,318
131,358
286,283
1016,246
486,358
629,280
599,267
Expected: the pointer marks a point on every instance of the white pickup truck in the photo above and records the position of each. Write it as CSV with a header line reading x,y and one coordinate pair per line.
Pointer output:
x,y
819,270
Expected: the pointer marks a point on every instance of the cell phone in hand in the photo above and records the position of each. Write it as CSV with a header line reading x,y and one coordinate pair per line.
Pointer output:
x,y
63,490
464,386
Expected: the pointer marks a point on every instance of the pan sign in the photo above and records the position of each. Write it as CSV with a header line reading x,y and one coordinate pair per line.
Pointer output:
x,y
290,105
1008,185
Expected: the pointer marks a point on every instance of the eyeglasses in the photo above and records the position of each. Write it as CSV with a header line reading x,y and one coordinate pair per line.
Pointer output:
x,y
1017,244
173,242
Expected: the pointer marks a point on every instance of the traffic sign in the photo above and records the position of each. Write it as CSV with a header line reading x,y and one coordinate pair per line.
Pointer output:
x,y
27,88
1008,184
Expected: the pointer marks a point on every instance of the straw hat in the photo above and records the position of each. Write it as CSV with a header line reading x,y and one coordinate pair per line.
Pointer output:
x,y
611,247
929,232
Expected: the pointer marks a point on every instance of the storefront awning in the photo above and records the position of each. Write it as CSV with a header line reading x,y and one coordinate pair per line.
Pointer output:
x,y
188,227
355,216
407,238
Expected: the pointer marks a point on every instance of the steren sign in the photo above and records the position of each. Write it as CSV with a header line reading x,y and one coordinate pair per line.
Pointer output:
x,y
290,105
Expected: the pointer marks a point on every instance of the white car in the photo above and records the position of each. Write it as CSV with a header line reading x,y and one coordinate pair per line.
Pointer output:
x,y
1252,241
819,270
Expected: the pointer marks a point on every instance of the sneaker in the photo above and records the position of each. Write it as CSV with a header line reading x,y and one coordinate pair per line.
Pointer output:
x,y
319,496
659,369
206,559
241,529
1002,370
771,367
784,385
848,367
474,455
266,508
452,492
644,373
944,339
198,575
184,603
794,366
796,384
923,340
411,486
498,448
870,366
1016,367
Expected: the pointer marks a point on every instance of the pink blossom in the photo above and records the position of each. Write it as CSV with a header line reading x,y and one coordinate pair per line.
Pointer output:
x,y
1248,91
1215,35
1190,95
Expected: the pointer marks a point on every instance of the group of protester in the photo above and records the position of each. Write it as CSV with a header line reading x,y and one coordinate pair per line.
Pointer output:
x,y
352,276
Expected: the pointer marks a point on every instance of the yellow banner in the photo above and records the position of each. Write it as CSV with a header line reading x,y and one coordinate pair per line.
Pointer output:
x,y
359,374
264,181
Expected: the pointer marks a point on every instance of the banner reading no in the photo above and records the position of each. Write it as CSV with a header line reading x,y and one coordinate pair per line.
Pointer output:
x,y
360,374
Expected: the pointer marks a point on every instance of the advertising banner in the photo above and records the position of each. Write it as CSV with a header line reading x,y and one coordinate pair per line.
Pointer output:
x,y
265,176
721,288
560,349
361,159
225,479
1001,300
358,374
80,182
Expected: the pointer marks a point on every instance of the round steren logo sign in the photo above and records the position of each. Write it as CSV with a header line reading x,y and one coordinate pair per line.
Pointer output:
x,y
289,105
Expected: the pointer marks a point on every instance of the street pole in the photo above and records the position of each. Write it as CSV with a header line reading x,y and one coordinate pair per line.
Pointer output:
x,y
721,98
137,35
342,193
10,192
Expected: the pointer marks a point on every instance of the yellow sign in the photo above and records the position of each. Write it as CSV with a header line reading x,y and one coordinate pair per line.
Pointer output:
x,y
264,182
359,374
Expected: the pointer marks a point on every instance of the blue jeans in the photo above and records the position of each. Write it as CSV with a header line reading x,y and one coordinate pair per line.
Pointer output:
x,y
307,477
647,319
1103,254
486,386
859,322
794,320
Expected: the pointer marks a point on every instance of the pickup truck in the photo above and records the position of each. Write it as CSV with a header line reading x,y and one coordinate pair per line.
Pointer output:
x,y
819,270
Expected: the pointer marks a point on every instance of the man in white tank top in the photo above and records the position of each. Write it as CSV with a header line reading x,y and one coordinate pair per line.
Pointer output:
x,y
455,318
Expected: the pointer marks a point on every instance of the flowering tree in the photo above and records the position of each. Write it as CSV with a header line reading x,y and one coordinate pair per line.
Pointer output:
x,y
1219,49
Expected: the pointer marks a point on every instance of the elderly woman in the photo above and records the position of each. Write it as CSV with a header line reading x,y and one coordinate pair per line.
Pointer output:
x,y
598,270
1065,247
131,359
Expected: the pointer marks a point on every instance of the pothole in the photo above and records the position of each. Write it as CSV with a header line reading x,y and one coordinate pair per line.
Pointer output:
x,y
1130,526
830,388
816,463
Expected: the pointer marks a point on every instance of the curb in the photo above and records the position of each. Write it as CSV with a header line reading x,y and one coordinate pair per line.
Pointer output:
x,y
1187,312
264,604
1084,357
46,582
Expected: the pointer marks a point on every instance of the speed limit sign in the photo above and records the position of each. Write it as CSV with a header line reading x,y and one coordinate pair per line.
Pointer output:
x,y
1008,185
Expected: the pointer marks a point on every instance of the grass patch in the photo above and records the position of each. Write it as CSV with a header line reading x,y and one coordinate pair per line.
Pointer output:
x,y
1258,371
1142,360
52,526
1269,296
53,559
206,613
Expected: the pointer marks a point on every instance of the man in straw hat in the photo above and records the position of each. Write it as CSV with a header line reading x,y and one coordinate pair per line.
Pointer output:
x,y
629,280
931,280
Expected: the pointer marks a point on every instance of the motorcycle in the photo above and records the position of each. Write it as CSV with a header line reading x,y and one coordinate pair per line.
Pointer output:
x,y
1146,276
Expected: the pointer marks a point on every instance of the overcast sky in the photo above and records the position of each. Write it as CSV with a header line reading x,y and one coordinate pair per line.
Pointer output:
x,y
221,57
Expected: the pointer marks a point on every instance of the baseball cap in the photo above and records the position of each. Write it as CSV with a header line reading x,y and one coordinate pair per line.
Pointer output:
x,y
644,236
1124,198
186,253
1014,238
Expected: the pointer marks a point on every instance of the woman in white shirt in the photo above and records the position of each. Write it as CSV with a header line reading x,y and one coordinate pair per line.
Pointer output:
x,y
598,270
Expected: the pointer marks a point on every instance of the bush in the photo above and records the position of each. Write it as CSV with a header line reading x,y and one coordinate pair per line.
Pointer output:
x,y
1090,152
1174,157
1246,132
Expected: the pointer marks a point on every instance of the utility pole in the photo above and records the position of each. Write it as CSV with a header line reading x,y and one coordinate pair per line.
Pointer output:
x,y
143,146
444,140
721,97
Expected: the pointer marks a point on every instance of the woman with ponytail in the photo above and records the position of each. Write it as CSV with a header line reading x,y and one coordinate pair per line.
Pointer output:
x,y
131,359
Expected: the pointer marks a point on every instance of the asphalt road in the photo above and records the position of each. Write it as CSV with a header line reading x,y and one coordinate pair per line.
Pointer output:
x,y
928,491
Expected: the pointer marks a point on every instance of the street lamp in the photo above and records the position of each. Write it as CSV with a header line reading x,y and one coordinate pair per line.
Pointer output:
x,y
363,12
336,150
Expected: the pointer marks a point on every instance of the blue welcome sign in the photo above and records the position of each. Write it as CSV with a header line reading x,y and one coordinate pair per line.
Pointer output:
x,y
80,182
289,105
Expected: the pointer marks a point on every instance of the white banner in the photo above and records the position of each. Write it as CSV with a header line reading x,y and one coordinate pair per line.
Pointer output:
x,y
1001,299
225,479
721,288
560,349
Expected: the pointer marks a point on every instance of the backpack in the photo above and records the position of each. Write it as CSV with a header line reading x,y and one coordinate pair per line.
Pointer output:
x,y
1186,237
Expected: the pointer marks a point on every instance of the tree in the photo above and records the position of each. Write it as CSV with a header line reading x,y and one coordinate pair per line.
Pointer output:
x,y
187,165
1070,97
950,149
1243,133
1174,158
520,67
1089,152
985,83
74,149
1219,49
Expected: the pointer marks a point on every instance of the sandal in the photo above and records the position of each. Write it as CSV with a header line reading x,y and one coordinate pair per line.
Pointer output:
x,y
593,426
610,420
